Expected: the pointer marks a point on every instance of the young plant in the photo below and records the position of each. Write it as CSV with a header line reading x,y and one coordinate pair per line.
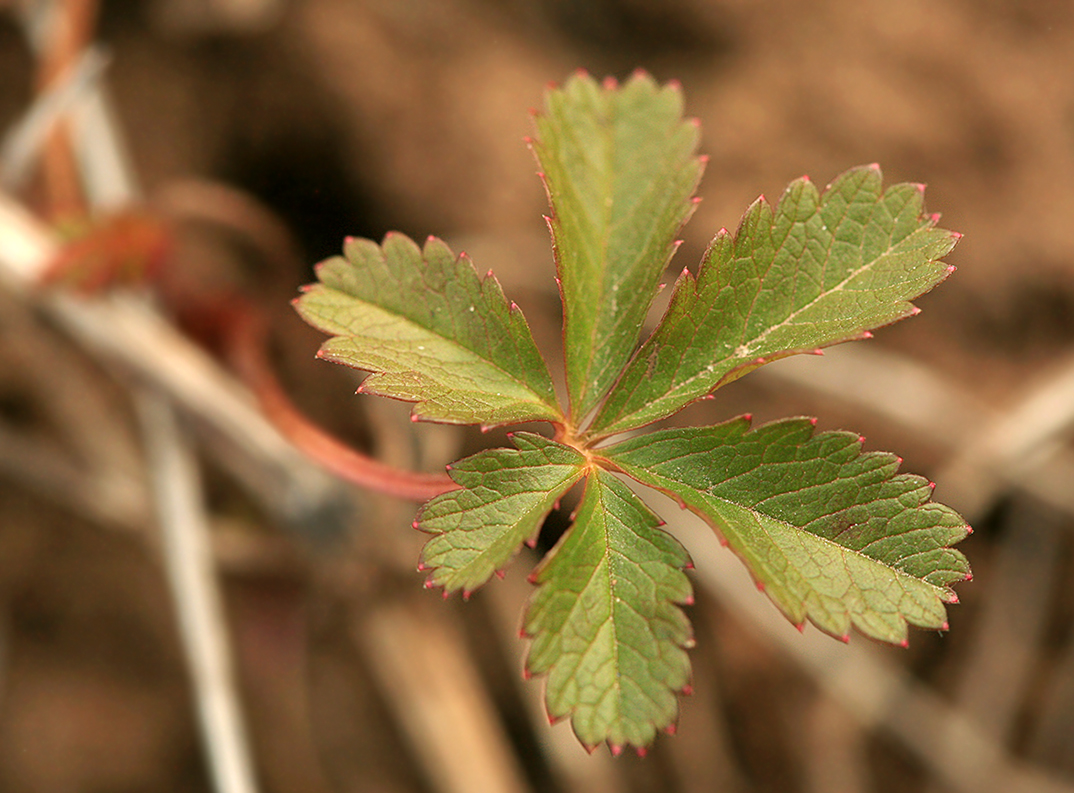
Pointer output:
x,y
831,534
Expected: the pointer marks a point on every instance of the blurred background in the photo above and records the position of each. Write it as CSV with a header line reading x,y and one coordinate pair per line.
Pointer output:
x,y
239,141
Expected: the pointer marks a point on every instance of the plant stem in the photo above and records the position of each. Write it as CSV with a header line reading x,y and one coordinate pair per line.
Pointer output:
x,y
74,24
246,348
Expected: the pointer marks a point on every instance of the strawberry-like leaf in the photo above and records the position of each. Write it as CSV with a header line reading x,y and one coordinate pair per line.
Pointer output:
x,y
605,620
818,269
431,330
830,533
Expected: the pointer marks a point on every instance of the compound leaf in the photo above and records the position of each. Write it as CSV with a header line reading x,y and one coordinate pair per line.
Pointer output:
x,y
820,268
505,496
830,533
604,620
431,331
620,167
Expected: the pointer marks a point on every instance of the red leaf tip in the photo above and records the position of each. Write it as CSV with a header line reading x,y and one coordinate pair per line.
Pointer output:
x,y
946,626
874,166
616,749
905,644
641,751
687,690
845,638
969,577
957,235
866,334
416,525
422,566
610,83
501,574
671,729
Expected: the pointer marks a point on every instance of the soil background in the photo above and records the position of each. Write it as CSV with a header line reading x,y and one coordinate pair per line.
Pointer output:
x,y
364,116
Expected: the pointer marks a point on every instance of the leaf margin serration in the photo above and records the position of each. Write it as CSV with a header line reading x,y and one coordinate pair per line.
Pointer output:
x,y
879,470
585,387
487,480
632,401
657,605
419,339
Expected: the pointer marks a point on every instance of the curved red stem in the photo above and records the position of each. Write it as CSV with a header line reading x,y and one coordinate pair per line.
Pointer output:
x,y
246,341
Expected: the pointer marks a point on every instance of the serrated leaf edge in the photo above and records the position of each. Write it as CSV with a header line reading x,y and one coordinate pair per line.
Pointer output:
x,y
592,480
688,279
944,593
546,405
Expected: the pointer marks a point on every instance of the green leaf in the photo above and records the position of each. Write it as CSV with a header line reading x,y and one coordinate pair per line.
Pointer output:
x,y
620,168
431,331
505,496
819,269
604,620
830,533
